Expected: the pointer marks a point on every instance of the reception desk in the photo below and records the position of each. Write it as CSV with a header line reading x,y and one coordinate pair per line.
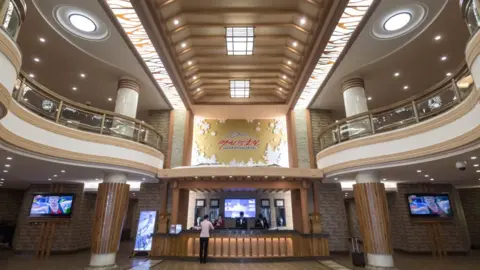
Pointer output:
x,y
239,244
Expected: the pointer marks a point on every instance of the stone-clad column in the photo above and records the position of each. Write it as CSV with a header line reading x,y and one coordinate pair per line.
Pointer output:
x,y
354,96
372,212
110,210
127,97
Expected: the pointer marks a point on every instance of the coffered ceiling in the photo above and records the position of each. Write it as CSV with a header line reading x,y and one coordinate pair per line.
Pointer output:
x,y
194,34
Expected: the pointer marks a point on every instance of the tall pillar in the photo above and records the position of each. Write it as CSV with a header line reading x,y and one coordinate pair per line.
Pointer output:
x,y
354,96
300,215
110,210
126,104
372,212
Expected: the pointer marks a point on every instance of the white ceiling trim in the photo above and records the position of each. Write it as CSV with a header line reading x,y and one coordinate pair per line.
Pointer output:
x,y
133,27
348,23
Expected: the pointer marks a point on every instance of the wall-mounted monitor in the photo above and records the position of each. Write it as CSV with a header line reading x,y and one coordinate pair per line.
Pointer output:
x,y
52,205
145,230
233,207
429,205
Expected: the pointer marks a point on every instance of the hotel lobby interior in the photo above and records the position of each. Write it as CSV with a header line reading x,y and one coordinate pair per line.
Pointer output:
x,y
310,134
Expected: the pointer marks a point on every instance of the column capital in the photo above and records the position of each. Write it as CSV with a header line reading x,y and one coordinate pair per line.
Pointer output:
x,y
130,83
353,82
369,176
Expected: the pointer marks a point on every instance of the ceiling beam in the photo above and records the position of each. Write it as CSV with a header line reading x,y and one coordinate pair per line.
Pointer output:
x,y
226,12
222,26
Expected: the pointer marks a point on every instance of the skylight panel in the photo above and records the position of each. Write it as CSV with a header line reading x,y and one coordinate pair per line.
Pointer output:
x,y
239,40
239,89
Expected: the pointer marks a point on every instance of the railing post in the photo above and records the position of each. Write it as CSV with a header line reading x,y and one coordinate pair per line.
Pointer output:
x,y
139,131
20,90
321,142
158,141
59,111
415,112
103,123
338,133
457,93
372,126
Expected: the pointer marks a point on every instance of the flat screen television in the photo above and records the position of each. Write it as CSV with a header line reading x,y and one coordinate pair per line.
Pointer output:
x,y
429,205
233,207
52,205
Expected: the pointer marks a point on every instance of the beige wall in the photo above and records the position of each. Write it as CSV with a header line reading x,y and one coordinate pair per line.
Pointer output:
x,y
241,195
471,206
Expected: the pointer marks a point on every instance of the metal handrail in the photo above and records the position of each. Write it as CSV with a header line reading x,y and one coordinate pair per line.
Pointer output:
x,y
364,124
54,107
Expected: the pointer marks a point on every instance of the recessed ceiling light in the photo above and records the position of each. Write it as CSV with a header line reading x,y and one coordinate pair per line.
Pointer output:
x,y
397,21
284,77
248,176
294,44
444,58
110,99
280,88
74,88
82,23
289,62
437,37
431,179
475,165
143,178
196,177
448,74
1,179
184,45
426,175
303,21
7,165
9,158
36,59
5,171
396,74
189,63
335,179
266,176
369,98
175,22
198,89
474,157
478,171
213,176
405,87
42,40
49,179
83,75
55,175
384,179
419,171
283,177
62,171
31,75
194,77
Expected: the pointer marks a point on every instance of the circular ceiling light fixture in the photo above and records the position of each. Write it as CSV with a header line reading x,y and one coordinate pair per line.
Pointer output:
x,y
397,21
82,23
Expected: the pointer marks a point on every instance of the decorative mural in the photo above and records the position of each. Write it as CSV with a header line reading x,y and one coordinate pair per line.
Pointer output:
x,y
350,19
133,27
238,142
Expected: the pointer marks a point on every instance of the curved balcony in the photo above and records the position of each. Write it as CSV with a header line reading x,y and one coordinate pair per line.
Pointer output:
x,y
419,108
53,107
12,14
471,14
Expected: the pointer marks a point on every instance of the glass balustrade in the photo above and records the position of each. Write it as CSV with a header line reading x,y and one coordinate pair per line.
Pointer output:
x,y
414,110
53,107
471,11
12,13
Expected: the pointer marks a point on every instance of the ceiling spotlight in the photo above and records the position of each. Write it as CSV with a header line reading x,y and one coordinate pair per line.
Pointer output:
x,y
194,77
196,177
419,171
198,89
36,59
335,179
475,165
396,74
431,179
294,44
175,22
266,176
474,157
49,179
283,177
448,74
5,171
248,176
74,88
42,40
7,165
184,45
289,62
284,77
143,178
230,176
369,98
426,175
55,175
62,171
83,75
397,21
478,171
31,75
437,37
82,23
303,21
110,99
9,158
443,58
405,87
1,179
189,63
384,179
213,176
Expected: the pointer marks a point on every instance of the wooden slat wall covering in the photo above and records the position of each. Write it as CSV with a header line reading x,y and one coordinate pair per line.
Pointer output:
x,y
372,211
110,209
247,246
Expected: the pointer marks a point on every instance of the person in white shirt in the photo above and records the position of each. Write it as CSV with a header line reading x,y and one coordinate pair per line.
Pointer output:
x,y
206,226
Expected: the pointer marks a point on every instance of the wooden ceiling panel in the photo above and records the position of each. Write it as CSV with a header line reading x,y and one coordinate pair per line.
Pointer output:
x,y
196,31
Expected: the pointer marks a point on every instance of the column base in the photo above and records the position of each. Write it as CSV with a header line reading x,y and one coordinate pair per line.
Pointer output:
x,y
380,262
102,261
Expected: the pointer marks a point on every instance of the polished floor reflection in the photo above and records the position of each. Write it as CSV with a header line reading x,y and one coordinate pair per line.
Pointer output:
x,y
302,265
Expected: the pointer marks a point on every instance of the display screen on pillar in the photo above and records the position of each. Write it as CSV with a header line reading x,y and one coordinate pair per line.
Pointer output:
x,y
145,230
429,205
52,205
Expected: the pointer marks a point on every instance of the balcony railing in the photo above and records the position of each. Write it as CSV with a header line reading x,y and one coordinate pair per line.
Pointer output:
x,y
12,14
49,105
436,100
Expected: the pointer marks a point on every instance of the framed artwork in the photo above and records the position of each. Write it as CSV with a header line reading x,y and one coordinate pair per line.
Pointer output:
x,y
265,203
214,203
279,203
200,203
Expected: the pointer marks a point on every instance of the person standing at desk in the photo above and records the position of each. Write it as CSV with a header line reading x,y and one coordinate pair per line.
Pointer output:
x,y
261,222
241,222
205,226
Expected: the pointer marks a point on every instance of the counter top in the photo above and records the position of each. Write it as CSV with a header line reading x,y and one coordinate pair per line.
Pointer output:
x,y
245,233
